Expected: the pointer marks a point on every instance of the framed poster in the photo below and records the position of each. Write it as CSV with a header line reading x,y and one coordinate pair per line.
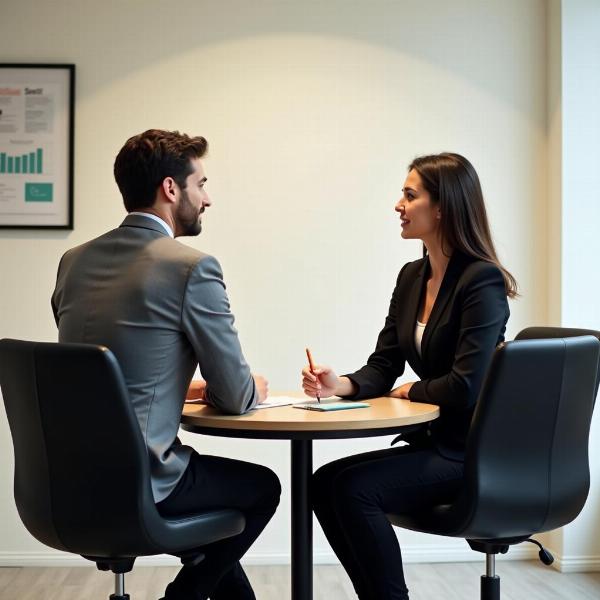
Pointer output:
x,y
36,146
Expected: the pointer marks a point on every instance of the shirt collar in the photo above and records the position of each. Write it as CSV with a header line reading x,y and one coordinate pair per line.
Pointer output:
x,y
157,219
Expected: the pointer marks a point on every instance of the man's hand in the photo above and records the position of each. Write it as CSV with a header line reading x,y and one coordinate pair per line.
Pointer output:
x,y
262,387
196,390
401,391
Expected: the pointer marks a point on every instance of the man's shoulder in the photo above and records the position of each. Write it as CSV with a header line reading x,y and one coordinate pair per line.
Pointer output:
x,y
156,245
190,262
174,260
168,248
82,248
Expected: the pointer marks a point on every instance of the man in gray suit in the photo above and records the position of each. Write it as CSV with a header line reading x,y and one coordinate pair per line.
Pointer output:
x,y
161,307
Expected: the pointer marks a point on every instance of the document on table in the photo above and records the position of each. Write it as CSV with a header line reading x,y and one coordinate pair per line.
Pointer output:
x,y
273,401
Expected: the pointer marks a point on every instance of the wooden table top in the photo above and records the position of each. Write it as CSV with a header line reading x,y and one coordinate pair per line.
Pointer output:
x,y
383,413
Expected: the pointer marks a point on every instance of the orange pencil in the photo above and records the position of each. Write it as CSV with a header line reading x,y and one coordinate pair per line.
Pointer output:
x,y
312,368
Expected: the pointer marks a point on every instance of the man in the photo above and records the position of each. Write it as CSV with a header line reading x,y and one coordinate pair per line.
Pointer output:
x,y
161,307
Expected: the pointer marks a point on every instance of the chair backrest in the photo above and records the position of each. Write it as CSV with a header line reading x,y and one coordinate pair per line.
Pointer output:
x,y
544,333
527,468
82,479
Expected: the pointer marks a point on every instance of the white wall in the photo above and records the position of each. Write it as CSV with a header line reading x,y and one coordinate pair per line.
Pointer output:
x,y
554,538
313,110
574,155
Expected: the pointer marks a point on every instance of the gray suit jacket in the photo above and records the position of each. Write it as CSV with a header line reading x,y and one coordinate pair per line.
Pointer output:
x,y
161,307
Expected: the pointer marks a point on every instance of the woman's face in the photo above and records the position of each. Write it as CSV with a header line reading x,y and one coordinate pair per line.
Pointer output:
x,y
420,218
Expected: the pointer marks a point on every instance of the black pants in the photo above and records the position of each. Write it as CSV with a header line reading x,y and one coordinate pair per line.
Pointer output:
x,y
351,497
215,482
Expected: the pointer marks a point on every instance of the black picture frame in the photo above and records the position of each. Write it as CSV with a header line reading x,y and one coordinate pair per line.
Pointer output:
x,y
37,133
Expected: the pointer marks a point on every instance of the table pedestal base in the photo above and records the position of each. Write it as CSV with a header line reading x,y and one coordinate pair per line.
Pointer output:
x,y
301,471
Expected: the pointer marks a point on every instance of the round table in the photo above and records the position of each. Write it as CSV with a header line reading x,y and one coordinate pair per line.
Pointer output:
x,y
385,416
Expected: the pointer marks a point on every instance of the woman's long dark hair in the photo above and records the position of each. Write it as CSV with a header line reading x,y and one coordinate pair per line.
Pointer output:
x,y
452,182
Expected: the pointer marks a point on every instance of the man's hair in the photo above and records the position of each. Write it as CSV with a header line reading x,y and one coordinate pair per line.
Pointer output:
x,y
147,158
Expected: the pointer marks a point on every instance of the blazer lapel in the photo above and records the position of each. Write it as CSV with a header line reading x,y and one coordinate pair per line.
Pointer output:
x,y
410,312
453,272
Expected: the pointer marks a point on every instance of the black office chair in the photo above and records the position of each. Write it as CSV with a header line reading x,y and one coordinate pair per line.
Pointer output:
x,y
82,477
526,466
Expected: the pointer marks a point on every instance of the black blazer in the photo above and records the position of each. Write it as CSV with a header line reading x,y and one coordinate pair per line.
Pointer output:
x,y
467,322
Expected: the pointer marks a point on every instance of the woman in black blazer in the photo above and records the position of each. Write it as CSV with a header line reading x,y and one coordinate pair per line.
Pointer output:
x,y
447,314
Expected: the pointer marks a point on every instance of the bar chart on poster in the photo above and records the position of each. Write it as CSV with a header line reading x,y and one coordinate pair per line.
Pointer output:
x,y
31,162
35,146
26,176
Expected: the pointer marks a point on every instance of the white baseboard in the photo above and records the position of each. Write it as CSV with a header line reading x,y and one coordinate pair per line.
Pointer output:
x,y
425,553
576,564
410,554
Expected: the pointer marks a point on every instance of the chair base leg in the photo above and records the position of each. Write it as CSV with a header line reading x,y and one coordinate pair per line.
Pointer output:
x,y
118,597
490,587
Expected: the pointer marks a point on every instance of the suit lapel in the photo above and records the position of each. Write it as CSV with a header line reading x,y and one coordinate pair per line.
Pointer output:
x,y
409,313
453,272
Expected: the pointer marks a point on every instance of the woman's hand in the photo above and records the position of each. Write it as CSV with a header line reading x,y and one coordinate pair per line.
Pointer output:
x,y
323,383
401,391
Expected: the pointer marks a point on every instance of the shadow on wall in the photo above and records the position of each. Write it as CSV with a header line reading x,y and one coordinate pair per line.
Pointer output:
x,y
161,30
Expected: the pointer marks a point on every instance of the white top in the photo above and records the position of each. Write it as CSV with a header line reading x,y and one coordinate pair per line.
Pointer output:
x,y
155,218
419,329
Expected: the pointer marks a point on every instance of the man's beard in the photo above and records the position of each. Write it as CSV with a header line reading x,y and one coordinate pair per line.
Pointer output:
x,y
188,218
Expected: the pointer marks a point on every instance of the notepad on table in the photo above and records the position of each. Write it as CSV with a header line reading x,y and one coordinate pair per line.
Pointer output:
x,y
327,406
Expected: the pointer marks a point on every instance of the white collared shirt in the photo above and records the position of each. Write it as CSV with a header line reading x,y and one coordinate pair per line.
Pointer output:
x,y
155,218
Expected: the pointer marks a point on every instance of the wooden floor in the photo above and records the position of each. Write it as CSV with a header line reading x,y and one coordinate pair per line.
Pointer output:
x,y
447,581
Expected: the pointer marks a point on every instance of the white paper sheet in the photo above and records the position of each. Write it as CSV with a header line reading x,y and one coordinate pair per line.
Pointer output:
x,y
273,401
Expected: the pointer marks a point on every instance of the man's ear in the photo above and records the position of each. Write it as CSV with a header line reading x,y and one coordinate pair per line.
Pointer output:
x,y
169,189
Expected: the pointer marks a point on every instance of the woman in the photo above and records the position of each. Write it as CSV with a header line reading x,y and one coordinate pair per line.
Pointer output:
x,y
447,314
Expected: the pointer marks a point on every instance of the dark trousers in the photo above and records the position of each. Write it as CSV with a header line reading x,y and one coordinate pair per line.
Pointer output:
x,y
212,482
351,497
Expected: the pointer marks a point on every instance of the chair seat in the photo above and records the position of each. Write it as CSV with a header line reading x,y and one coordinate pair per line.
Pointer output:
x,y
198,530
164,535
173,536
445,520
